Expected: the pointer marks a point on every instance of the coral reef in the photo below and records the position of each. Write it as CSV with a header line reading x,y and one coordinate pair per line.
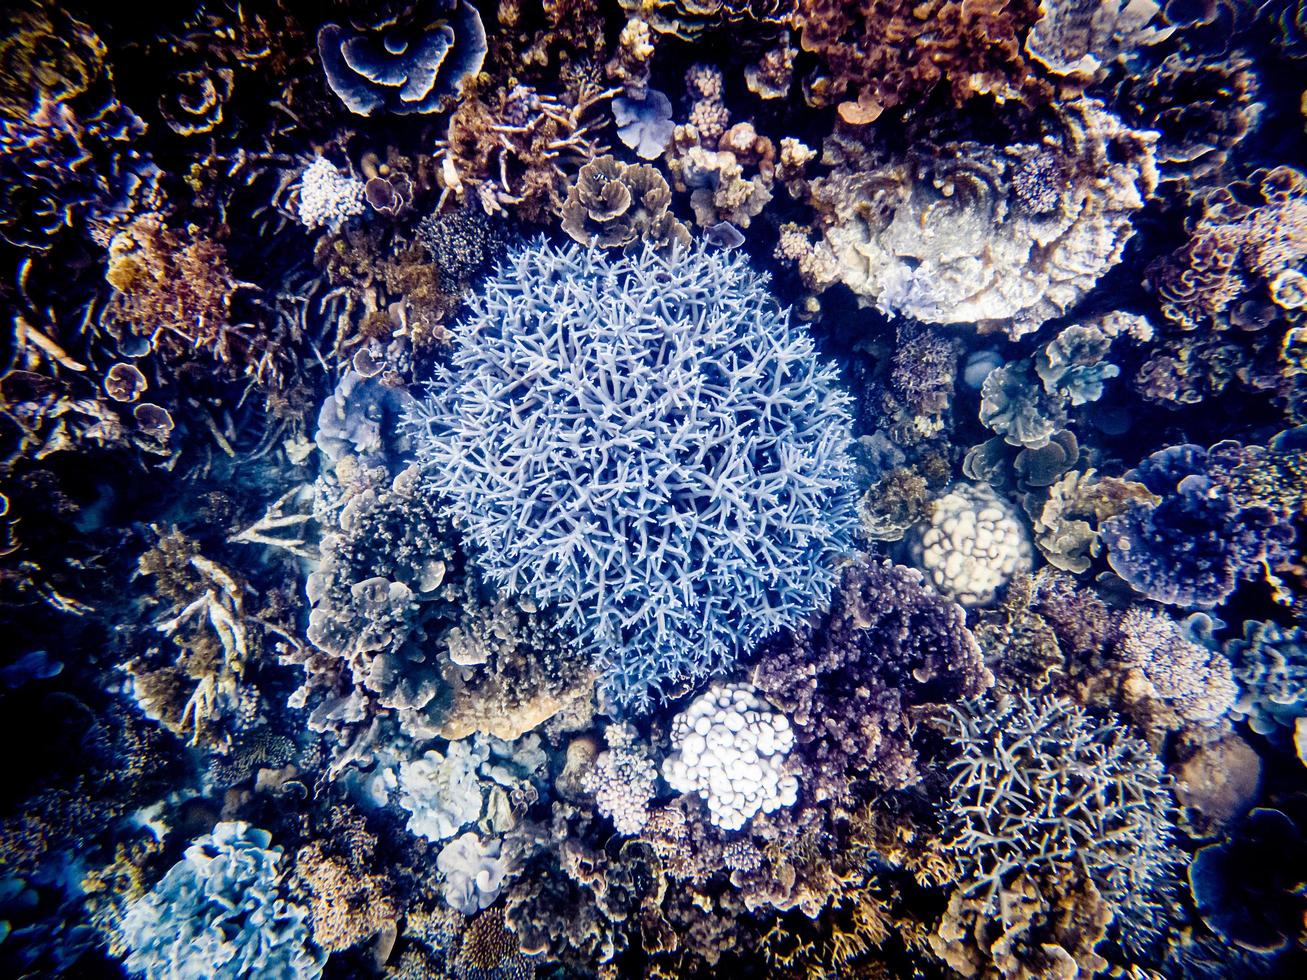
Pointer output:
x,y
619,205
1270,663
642,571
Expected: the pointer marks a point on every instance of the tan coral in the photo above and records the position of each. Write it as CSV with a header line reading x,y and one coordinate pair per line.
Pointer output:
x,y
618,205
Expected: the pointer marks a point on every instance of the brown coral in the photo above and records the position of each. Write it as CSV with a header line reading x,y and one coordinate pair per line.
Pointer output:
x,y
346,904
883,53
619,205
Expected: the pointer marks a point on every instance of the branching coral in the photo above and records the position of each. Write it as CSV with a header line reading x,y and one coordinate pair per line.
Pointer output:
x,y
622,780
849,681
969,232
221,912
648,462
1038,784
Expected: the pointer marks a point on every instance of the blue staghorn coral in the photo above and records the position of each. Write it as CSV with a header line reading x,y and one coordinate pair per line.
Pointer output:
x,y
647,442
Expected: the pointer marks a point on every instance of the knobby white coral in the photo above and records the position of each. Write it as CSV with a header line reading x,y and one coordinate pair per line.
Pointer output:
x,y
622,780
730,746
327,197
972,544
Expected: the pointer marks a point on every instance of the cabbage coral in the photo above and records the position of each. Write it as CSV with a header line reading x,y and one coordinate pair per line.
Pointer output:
x,y
219,914
646,442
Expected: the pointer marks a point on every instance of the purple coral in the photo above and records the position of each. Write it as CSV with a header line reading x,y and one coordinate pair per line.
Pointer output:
x,y
847,680
1193,547
645,441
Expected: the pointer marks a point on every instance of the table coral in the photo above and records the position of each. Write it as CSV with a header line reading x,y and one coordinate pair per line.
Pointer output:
x,y
1002,236
640,568
404,64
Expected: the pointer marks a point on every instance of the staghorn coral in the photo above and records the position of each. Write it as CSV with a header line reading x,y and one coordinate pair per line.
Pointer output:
x,y
68,148
620,205
519,147
879,54
636,571
1038,785
971,544
1005,237
849,680
414,62
221,912
729,746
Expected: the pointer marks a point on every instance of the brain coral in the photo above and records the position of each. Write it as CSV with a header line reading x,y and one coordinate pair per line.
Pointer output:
x,y
646,442
218,914
1001,236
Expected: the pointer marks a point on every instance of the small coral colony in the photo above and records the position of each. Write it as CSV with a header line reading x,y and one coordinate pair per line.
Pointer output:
x,y
654,488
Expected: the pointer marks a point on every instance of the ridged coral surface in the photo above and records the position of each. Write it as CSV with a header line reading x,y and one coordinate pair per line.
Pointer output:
x,y
647,442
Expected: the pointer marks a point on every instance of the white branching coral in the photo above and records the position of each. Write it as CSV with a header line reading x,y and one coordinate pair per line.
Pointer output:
x,y
1040,784
730,746
645,442
972,544
622,780
327,197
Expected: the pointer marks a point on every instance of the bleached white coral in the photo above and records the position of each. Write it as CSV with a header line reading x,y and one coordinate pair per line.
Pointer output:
x,y
327,197
729,748
475,872
442,792
622,780
972,544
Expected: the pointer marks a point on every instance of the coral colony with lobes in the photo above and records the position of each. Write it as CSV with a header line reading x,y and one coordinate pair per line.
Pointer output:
x,y
562,489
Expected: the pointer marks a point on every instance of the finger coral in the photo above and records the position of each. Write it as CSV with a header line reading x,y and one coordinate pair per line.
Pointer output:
x,y
668,486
